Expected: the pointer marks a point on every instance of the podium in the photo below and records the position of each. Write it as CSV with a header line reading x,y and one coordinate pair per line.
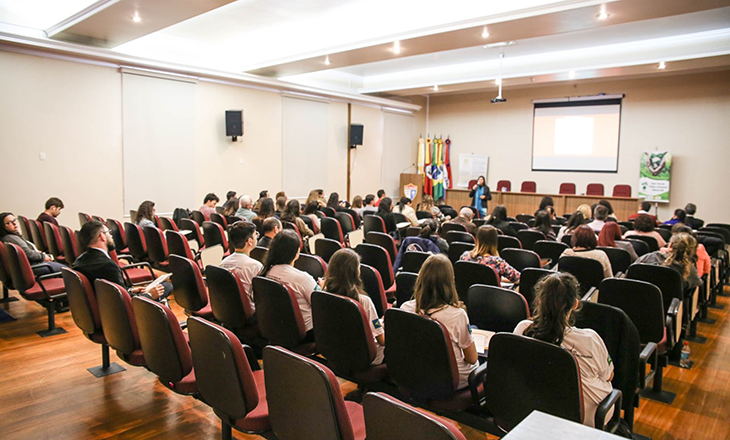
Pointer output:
x,y
410,180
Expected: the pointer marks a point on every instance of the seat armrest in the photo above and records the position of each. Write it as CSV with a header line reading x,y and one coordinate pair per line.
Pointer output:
x,y
134,266
613,400
647,355
589,295
39,277
251,358
674,322
619,275
48,276
477,377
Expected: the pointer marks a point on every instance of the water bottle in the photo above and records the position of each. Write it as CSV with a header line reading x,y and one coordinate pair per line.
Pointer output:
x,y
684,359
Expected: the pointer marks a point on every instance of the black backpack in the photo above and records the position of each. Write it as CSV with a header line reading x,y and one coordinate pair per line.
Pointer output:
x,y
179,214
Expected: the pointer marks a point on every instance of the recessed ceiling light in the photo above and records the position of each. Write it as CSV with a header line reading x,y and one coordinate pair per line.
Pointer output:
x,y
571,74
603,15
396,47
136,18
485,33
436,88
662,65
327,60
500,44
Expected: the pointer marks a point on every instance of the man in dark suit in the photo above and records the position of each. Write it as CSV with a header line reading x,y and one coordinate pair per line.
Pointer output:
x,y
96,262
691,221
271,227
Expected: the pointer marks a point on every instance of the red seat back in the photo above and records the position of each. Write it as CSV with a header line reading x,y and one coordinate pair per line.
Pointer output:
x,y
594,189
117,317
190,292
528,187
567,188
504,185
277,313
622,191
82,301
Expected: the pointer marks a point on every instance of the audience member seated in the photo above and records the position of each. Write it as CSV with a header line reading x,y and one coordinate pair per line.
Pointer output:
x,y
356,203
145,214
480,196
369,206
10,233
643,210
316,195
610,236
426,241
586,211
576,219
405,207
96,263
245,206
704,262
54,205
690,221
584,245
644,225
679,217
464,218
263,195
544,224
242,236
334,202
436,297
311,211
269,229
679,255
231,207
266,210
557,298
498,219
230,194
291,214
343,278
485,252
544,203
280,205
385,212
428,205
600,214
608,206
279,266
381,196
208,207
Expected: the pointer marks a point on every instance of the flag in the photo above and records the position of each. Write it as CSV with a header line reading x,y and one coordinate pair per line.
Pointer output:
x,y
421,154
448,181
437,169
427,167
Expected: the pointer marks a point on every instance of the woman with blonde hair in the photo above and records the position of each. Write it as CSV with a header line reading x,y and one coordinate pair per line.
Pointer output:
x,y
356,203
343,278
428,205
485,252
586,211
436,297
314,196
680,256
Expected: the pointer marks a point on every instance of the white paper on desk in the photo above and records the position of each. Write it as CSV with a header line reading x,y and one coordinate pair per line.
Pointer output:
x,y
402,225
157,282
480,341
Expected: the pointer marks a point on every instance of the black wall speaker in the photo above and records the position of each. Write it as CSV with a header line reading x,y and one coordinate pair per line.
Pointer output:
x,y
356,134
234,123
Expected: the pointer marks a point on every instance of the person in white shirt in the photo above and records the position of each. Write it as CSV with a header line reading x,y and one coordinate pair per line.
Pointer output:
x,y
405,207
600,214
436,297
369,206
243,236
343,278
279,266
556,300
584,244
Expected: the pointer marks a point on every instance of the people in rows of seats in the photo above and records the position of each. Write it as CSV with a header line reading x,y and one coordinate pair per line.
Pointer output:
x,y
291,214
405,207
498,219
54,205
644,208
369,206
269,228
208,207
610,236
543,223
245,208
680,216
145,214
381,196
310,210
485,252
584,245
600,214
427,240
385,209
576,219
464,218
243,237
41,263
644,225
679,255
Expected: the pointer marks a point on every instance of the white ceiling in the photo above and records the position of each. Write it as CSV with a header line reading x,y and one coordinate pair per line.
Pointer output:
x,y
442,41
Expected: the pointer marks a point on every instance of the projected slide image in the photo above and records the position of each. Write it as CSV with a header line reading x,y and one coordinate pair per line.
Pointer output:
x,y
581,138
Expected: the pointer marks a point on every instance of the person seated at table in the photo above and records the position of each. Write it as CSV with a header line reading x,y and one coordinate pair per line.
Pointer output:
x,y
498,219
680,216
385,212
485,252
584,245
644,225
610,236
405,207
436,297
54,205
544,224
343,278
208,207
576,219
680,256
557,299
145,214
40,262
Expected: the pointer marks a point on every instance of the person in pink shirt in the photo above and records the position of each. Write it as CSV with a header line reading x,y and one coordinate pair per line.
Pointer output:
x,y
208,207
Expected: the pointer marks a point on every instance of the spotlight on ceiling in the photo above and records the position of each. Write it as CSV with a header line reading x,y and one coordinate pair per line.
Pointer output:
x,y
662,66
396,47
436,88
136,18
327,60
485,33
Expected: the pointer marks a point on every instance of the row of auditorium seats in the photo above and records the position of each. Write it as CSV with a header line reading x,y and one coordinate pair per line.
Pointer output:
x,y
593,189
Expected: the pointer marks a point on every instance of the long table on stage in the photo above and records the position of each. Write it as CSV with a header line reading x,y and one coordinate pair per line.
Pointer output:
x,y
527,203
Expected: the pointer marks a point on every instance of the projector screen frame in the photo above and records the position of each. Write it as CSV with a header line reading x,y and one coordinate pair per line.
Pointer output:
x,y
582,101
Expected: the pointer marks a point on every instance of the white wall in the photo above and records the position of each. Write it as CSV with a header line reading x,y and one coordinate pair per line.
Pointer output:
x,y
688,115
73,113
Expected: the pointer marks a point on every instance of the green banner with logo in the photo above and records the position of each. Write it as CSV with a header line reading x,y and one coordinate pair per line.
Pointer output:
x,y
655,170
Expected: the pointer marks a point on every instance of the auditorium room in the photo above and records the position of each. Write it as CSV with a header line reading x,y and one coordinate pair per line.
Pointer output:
x,y
364,219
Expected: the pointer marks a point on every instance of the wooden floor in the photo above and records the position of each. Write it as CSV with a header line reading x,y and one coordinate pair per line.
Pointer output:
x,y
46,392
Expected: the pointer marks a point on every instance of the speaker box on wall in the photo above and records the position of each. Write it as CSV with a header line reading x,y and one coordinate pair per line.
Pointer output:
x,y
234,123
356,134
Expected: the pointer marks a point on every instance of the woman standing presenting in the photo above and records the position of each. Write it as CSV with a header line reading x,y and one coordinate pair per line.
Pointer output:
x,y
480,195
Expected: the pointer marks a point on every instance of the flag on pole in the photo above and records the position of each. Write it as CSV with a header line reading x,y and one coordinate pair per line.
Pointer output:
x,y
428,176
447,163
437,172
421,154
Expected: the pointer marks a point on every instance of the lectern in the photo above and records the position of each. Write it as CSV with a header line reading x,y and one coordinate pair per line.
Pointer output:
x,y
411,186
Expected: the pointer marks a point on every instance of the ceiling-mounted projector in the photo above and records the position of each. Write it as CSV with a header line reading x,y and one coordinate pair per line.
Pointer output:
x,y
497,100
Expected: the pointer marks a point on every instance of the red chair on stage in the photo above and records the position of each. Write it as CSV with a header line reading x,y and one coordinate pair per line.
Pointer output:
x,y
504,185
528,187
594,189
567,188
622,191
